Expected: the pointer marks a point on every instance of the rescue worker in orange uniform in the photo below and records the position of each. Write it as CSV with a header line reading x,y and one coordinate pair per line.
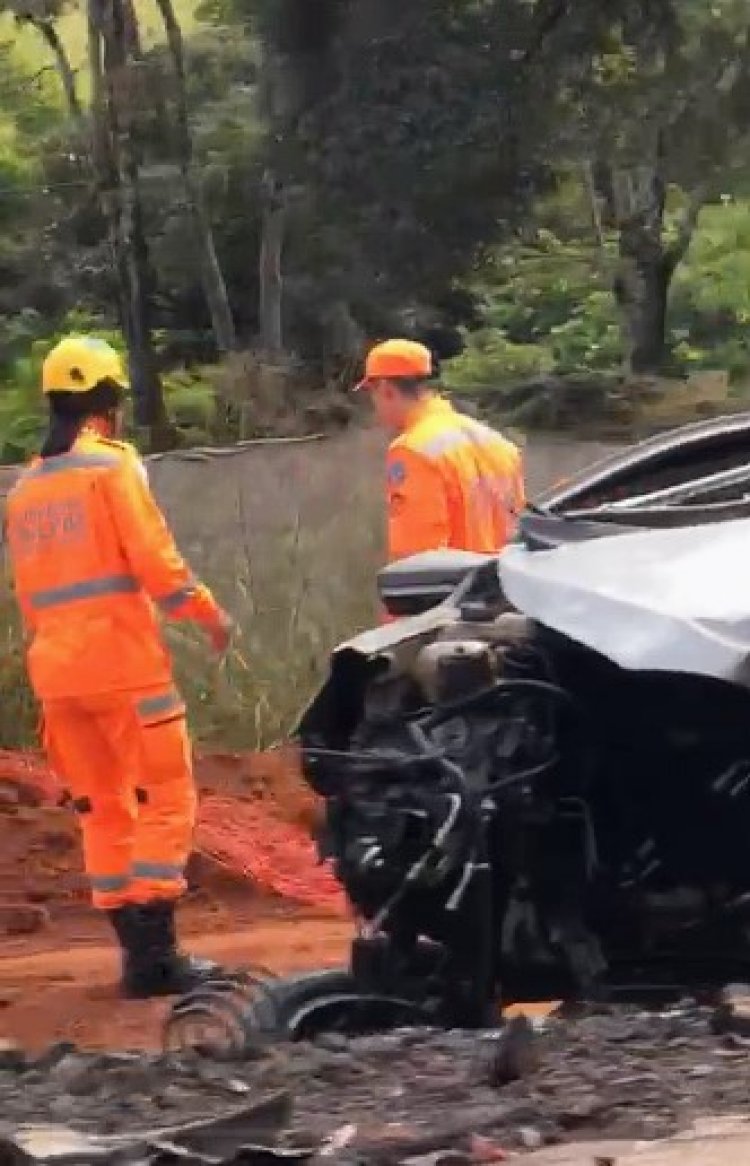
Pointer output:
x,y
451,481
93,560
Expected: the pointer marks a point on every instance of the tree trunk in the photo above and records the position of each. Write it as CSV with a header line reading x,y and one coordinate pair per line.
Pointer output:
x,y
132,31
50,34
212,277
271,283
645,267
102,160
129,239
641,291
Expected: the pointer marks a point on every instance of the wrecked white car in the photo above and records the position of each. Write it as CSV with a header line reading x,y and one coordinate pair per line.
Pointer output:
x,y
537,781
540,787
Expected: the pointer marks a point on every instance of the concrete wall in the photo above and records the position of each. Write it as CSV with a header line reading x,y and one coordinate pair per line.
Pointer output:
x,y
214,495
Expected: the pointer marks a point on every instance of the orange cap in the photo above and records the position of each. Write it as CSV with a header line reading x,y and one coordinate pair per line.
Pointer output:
x,y
396,359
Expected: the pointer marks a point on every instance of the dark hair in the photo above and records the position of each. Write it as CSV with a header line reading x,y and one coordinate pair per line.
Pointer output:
x,y
68,412
412,387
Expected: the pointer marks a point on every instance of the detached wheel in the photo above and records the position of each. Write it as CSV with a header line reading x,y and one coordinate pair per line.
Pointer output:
x,y
304,1007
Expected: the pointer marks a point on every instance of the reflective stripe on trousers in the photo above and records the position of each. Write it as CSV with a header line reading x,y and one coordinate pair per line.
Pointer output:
x,y
109,882
84,589
105,751
162,871
157,870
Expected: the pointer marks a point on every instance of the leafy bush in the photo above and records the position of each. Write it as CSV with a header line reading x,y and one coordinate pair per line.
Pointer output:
x,y
710,303
589,339
544,310
490,360
550,309
191,403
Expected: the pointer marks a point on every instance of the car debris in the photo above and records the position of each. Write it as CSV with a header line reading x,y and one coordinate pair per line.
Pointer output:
x,y
615,1071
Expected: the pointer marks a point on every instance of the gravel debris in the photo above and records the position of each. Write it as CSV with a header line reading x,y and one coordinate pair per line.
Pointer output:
x,y
421,1096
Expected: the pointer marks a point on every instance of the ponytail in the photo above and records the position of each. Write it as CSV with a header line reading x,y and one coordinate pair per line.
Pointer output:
x,y
68,413
61,434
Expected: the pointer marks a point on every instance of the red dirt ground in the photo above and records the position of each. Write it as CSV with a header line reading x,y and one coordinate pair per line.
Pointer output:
x,y
63,987
257,897
254,823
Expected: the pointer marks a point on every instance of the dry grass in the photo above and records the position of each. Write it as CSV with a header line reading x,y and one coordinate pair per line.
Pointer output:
x,y
290,538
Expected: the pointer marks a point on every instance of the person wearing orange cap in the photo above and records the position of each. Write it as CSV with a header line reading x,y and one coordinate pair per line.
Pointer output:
x,y
92,561
451,481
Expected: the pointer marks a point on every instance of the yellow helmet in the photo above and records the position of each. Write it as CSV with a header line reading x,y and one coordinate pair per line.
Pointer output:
x,y
78,363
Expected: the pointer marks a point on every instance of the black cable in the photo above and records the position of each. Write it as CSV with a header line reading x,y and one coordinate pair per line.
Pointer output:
x,y
524,775
499,690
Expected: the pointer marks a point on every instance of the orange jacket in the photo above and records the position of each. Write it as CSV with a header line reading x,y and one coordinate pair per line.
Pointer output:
x,y
91,556
452,482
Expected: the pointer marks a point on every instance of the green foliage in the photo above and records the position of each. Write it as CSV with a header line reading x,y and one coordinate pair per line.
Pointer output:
x,y
419,132
710,306
191,403
490,360
432,159
550,309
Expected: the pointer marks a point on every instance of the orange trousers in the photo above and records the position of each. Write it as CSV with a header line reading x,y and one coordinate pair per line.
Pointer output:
x,y
125,761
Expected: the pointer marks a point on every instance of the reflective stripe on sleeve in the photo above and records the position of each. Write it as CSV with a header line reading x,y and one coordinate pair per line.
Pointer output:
x,y
84,589
165,702
176,599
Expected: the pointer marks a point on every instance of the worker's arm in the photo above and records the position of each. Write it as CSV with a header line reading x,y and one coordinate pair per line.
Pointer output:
x,y
151,551
417,504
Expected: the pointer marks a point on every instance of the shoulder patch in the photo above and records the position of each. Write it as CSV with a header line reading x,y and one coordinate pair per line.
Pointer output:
x,y
396,473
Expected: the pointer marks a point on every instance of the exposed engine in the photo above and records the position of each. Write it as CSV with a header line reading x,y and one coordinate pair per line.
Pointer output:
x,y
513,815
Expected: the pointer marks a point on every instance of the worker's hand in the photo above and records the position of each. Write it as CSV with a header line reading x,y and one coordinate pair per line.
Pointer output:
x,y
220,633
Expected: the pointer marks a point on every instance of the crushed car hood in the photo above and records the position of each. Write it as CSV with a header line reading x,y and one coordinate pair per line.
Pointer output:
x,y
666,600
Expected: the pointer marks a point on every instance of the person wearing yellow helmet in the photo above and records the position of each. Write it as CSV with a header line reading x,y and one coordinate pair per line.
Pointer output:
x,y
93,562
84,381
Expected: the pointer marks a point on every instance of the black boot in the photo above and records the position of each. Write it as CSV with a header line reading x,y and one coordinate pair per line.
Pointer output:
x,y
152,963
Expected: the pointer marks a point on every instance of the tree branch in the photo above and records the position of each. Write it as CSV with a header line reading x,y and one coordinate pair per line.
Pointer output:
x,y
730,74
677,251
49,33
594,204
555,12
214,286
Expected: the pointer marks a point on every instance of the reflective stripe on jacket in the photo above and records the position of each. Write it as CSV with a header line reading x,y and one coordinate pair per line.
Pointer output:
x,y
452,482
92,560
